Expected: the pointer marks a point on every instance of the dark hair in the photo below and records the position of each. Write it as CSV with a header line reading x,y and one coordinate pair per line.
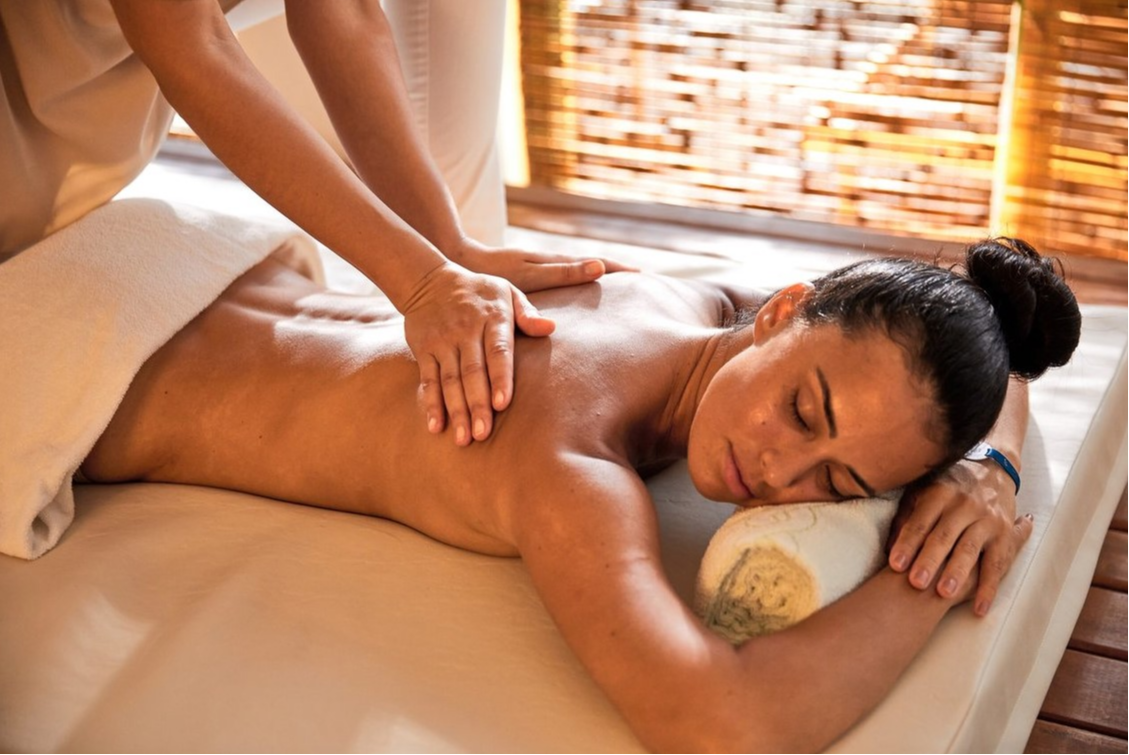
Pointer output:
x,y
1010,313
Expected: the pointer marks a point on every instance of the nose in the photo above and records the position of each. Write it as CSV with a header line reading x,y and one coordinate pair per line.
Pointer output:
x,y
781,470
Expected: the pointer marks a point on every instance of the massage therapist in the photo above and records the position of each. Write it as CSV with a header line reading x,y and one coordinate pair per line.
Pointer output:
x,y
90,89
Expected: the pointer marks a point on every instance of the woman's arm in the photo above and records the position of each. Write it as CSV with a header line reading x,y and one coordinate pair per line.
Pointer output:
x,y
590,541
966,517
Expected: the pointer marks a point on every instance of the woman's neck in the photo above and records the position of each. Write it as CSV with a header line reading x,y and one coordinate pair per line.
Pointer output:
x,y
671,428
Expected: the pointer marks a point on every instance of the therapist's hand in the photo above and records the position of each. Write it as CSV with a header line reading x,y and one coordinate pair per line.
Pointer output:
x,y
460,326
532,271
964,518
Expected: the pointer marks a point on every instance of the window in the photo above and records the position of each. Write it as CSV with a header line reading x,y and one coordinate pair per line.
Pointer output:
x,y
933,118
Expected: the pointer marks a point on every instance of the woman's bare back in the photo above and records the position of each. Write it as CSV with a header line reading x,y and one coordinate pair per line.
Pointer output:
x,y
282,389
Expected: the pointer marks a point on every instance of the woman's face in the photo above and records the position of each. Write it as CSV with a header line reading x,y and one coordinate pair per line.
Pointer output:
x,y
807,413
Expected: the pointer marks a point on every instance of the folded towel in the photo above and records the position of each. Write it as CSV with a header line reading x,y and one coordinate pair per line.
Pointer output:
x,y
770,567
80,312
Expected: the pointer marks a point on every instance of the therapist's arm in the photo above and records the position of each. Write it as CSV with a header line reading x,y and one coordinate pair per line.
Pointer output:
x,y
349,51
459,324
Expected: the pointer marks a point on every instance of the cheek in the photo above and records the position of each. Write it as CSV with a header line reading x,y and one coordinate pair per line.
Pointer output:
x,y
706,443
748,415
763,417
763,421
759,404
702,466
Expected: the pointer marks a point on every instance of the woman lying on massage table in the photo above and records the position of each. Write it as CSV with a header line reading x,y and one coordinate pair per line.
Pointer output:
x,y
873,377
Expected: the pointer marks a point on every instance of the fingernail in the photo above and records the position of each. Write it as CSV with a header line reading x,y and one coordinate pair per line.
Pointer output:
x,y
460,434
1029,517
948,587
432,424
479,428
593,268
499,399
900,561
982,607
921,577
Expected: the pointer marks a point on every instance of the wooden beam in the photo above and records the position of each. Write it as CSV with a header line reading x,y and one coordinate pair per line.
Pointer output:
x,y
1049,737
1088,692
1101,626
1111,570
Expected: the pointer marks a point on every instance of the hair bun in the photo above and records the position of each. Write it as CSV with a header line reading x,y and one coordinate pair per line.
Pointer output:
x,y
1036,309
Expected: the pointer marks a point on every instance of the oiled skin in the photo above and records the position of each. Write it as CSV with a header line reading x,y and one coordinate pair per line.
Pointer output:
x,y
283,390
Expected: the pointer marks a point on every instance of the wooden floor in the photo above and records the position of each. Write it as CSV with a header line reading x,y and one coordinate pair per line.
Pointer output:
x,y
1085,709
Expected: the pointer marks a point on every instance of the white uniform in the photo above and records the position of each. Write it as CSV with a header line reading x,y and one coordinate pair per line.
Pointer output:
x,y
80,119
82,116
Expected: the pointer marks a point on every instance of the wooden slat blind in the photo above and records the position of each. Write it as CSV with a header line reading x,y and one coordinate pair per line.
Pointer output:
x,y
1066,183
878,114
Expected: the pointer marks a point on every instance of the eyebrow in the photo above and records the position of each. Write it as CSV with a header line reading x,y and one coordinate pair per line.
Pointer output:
x,y
827,402
834,430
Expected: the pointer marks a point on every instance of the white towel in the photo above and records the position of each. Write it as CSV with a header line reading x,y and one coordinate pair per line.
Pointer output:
x,y
770,567
80,312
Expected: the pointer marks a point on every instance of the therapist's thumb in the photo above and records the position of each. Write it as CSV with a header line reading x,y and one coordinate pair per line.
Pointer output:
x,y
527,319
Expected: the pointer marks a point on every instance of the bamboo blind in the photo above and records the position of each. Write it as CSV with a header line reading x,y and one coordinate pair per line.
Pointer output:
x,y
1066,178
870,113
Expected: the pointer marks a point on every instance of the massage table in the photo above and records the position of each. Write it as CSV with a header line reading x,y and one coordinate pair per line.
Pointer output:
x,y
172,617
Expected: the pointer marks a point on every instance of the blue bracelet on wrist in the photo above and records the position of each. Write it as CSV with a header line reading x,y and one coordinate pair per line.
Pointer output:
x,y
983,451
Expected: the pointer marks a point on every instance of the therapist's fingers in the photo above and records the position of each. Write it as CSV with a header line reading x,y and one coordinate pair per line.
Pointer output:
x,y
499,343
451,318
431,394
541,275
527,319
476,391
451,378
535,271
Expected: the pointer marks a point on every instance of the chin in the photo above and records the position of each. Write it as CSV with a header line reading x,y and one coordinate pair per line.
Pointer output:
x,y
710,488
705,473
706,487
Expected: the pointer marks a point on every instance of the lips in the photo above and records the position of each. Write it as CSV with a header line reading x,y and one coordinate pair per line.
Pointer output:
x,y
733,479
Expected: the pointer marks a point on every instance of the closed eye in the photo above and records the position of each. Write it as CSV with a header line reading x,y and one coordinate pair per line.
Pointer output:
x,y
796,411
829,484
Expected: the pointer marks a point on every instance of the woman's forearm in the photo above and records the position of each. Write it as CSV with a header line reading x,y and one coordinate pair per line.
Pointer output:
x,y
825,673
1010,429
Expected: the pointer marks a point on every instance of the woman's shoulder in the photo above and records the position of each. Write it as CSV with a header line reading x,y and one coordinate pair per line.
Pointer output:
x,y
649,296
720,302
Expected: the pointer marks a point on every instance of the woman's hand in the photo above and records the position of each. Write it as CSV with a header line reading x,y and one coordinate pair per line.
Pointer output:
x,y
964,518
460,326
532,271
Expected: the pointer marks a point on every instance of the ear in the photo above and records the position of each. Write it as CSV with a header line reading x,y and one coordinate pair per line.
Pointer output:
x,y
779,311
